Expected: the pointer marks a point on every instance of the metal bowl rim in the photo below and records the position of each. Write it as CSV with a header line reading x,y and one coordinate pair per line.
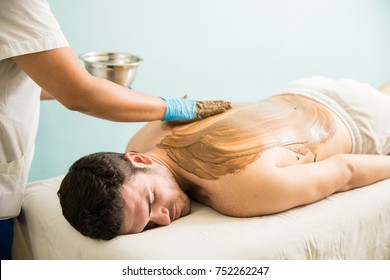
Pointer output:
x,y
84,57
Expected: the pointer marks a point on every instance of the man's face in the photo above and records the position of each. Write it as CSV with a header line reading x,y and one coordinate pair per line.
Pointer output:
x,y
152,199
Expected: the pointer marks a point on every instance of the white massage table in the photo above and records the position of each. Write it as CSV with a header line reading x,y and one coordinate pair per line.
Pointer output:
x,y
352,225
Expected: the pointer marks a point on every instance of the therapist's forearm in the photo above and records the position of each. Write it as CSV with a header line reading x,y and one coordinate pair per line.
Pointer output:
x,y
107,100
106,105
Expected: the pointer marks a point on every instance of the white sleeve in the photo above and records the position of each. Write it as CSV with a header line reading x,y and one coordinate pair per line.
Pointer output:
x,y
28,26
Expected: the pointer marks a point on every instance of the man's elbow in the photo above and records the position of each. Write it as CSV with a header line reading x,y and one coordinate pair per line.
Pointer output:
x,y
347,169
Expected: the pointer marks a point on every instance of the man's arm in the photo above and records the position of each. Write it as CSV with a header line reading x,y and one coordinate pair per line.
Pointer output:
x,y
365,170
295,185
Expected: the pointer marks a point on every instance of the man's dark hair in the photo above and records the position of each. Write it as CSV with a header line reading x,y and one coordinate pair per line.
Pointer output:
x,y
90,194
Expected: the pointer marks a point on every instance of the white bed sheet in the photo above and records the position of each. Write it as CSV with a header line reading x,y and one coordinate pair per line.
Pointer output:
x,y
351,225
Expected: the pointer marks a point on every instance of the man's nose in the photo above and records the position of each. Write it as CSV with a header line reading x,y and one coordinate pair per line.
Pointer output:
x,y
160,216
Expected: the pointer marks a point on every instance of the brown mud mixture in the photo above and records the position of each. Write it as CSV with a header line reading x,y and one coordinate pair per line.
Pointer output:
x,y
226,143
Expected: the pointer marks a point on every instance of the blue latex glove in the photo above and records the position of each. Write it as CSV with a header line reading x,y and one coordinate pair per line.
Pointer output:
x,y
180,110
187,110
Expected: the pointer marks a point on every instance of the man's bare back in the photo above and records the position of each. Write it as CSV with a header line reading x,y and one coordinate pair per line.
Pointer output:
x,y
293,164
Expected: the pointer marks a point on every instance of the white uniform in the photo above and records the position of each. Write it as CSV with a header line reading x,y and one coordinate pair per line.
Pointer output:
x,y
26,26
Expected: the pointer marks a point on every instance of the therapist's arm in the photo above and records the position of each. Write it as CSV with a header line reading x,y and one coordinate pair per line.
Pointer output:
x,y
60,73
45,95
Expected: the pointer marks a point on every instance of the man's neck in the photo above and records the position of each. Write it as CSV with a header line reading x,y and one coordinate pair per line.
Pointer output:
x,y
159,156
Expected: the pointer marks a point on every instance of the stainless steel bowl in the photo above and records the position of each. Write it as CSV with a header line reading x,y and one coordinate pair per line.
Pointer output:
x,y
117,67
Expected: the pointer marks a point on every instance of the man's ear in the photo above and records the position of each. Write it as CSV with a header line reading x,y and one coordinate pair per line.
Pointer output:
x,y
137,159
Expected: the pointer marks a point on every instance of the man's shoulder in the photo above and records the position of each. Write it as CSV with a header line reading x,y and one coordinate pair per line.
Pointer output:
x,y
148,136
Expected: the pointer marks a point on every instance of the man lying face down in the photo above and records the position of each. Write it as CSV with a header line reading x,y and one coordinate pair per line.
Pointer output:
x,y
316,137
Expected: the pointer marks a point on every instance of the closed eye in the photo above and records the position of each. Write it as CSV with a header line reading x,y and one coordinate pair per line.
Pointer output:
x,y
150,203
150,200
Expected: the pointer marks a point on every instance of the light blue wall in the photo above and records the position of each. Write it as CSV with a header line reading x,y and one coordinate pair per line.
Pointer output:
x,y
239,50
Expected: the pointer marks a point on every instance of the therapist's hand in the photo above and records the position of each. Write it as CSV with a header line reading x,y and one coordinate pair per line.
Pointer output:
x,y
180,111
205,109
